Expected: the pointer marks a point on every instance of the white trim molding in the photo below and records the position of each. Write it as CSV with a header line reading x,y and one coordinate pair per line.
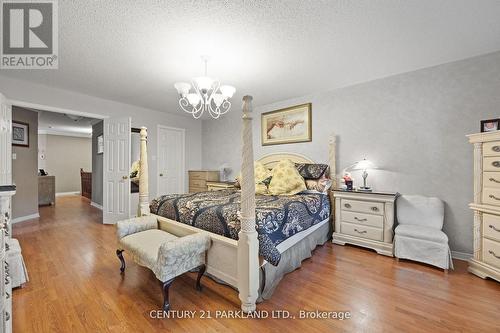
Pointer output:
x,y
461,255
96,205
62,194
25,218
65,133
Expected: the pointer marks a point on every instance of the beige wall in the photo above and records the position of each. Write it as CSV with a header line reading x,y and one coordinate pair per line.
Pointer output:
x,y
65,155
24,167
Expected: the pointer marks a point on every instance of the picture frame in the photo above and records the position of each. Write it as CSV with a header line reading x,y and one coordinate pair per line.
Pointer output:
x,y
490,125
100,144
289,125
20,134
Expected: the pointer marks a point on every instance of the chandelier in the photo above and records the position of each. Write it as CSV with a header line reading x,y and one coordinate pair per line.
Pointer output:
x,y
207,96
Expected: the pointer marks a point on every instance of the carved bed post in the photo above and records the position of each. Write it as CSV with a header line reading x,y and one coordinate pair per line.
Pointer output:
x,y
332,147
143,175
248,244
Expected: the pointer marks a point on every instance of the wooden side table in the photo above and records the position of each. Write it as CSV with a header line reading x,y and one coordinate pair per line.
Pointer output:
x,y
365,219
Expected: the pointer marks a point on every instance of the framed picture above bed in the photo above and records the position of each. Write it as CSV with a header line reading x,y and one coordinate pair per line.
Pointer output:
x,y
20,134
289,125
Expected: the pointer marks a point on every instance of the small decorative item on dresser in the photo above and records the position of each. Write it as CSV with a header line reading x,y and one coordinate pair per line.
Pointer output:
x,y
490,125
363,165
365,219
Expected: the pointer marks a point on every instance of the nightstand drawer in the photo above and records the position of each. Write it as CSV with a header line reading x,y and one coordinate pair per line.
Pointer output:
x,y
363,206
491,163
363,219
361,231
491,226
491,252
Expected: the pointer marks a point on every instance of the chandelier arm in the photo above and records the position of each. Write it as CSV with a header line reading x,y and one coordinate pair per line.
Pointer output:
x,y
184,103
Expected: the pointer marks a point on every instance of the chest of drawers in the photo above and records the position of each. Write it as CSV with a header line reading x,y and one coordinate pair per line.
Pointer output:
x,y
198,179
365,219
486,205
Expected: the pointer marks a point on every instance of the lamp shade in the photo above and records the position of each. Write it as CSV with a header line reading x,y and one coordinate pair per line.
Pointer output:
x,y
227,91
182,88
204,83
364,164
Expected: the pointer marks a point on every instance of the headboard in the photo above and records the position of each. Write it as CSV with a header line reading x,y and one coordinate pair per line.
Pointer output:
x,y
270,160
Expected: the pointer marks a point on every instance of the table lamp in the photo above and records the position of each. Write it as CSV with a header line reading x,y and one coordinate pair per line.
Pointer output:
x,y
364,165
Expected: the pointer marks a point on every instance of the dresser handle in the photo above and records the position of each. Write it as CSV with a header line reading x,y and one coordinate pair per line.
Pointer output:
x,y
347,206
7,316
7,280
493,227
360,232
7,295
360,220
496,149
375,209
493,197
496,164
494,180
493,254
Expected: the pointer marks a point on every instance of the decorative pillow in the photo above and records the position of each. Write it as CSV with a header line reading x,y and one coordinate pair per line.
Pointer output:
x,y
312,171
320,185
262,177
286,179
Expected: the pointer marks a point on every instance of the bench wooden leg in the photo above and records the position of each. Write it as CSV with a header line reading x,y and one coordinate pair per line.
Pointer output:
x,y
120,256
201,271
164,288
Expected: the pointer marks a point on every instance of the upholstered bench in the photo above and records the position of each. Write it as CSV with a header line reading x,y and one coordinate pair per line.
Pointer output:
x,y
165,254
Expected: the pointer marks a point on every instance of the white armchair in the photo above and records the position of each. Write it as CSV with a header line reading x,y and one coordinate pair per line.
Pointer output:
x,y
419,236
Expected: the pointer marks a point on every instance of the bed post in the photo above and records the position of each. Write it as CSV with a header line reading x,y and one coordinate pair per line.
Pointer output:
x,y
332,147
248,244
143,175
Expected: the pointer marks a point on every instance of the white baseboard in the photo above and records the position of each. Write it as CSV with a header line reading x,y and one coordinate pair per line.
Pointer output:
x,y
25,218
61,194
461,255
96,205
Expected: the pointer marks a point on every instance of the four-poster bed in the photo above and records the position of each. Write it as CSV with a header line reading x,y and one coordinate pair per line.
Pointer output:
x,y
237,262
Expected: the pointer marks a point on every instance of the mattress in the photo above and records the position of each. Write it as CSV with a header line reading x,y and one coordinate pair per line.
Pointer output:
x,y
278,218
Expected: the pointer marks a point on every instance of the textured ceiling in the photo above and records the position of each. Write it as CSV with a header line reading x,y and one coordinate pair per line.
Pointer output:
x,y
133,51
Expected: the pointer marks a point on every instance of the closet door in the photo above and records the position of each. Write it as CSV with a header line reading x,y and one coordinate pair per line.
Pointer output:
x,y
171,164
116,182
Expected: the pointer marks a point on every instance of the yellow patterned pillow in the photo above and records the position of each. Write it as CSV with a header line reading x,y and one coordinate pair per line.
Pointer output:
x,y
286,179
261,173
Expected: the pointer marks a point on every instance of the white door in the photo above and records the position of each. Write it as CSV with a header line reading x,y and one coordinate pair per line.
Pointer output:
x,y
116,182
171,165
5,141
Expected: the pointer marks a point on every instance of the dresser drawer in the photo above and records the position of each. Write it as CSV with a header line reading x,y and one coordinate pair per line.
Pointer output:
x,y
361,231
491,226
197,183
193,189
363,206
491,196
199,175
363,219
491,148
491,163
491,252
491,179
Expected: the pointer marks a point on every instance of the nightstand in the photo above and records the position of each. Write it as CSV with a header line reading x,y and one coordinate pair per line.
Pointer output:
x,y
216,186
365,219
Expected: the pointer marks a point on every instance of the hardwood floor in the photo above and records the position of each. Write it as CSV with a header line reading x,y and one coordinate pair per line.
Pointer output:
x,y
75,286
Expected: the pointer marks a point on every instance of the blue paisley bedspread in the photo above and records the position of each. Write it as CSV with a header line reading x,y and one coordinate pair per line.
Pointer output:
x,y
277,217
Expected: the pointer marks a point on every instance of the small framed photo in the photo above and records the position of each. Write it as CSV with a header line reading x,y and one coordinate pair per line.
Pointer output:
x,y
100,144
490,125
20,134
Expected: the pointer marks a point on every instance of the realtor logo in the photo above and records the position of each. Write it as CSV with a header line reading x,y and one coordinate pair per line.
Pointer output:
x,y
29,34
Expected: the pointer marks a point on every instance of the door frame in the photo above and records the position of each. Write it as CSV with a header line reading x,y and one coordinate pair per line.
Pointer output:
x,y
183,164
